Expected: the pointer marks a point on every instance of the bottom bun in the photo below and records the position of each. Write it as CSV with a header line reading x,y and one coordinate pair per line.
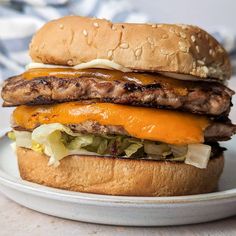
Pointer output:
x,y
115,176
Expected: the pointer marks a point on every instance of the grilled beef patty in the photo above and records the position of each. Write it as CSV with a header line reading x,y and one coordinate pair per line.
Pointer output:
x,y
208,98
215,132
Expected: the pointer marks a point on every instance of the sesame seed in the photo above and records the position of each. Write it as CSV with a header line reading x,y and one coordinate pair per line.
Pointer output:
x,y
176,32
164,52
213,53
207,37
183,47
171,30
182,34
182,44
184,26
42,45
138,52
197,49
205,69
85,32
164,36
193,38
210,51
124,45
61,26
154,25
109,54
212,69
70,62
219,49
150,40
200,62
194,65
95,24
113,27
199,35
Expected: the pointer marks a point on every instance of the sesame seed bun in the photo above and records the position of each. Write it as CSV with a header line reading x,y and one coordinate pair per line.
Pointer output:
x,y
104,175
181,49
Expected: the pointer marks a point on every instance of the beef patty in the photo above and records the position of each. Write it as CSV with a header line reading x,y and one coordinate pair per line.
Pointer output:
x,y
215,132
210,98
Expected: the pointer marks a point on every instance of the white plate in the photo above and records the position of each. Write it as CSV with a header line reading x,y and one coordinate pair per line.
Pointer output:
x,y
115,210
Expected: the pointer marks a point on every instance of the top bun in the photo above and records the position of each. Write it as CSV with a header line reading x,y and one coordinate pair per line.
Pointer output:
x,y
183,49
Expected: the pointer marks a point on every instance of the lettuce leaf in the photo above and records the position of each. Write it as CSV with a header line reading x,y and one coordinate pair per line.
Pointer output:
x,y
50,137
132,149
156,148
198,155
80,142
23,138
58,141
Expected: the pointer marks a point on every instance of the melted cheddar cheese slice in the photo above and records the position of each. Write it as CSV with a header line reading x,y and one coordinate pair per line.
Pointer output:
x,y
144,123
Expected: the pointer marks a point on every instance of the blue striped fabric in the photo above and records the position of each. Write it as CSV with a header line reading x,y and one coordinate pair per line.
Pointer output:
x,y
19,19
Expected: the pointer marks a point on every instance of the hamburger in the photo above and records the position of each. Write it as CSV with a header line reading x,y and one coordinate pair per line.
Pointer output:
x,y
122,109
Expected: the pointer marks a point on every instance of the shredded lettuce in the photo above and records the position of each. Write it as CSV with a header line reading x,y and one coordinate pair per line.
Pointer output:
x,y
58,141
80,142
23,139
133,148
198,155
50,137
179,150
154,148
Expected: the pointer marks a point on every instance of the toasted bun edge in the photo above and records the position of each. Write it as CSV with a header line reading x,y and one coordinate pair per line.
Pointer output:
x,y
113,176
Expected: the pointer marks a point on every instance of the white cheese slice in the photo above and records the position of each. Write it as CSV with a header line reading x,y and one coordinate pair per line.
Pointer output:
x,y
97,63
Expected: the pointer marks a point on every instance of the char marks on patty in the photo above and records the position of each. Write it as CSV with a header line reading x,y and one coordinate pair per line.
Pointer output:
x,y
208,98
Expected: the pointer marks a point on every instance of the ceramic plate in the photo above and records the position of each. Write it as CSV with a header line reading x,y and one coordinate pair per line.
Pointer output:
x,y
118,210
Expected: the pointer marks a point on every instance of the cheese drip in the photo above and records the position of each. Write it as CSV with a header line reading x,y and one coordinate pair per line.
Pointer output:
x,y
171,127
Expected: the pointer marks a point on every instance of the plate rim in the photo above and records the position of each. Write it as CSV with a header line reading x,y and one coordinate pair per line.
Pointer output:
x,y
70,196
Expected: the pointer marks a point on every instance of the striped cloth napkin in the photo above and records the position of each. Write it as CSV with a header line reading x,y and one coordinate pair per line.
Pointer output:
x,y
19,19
